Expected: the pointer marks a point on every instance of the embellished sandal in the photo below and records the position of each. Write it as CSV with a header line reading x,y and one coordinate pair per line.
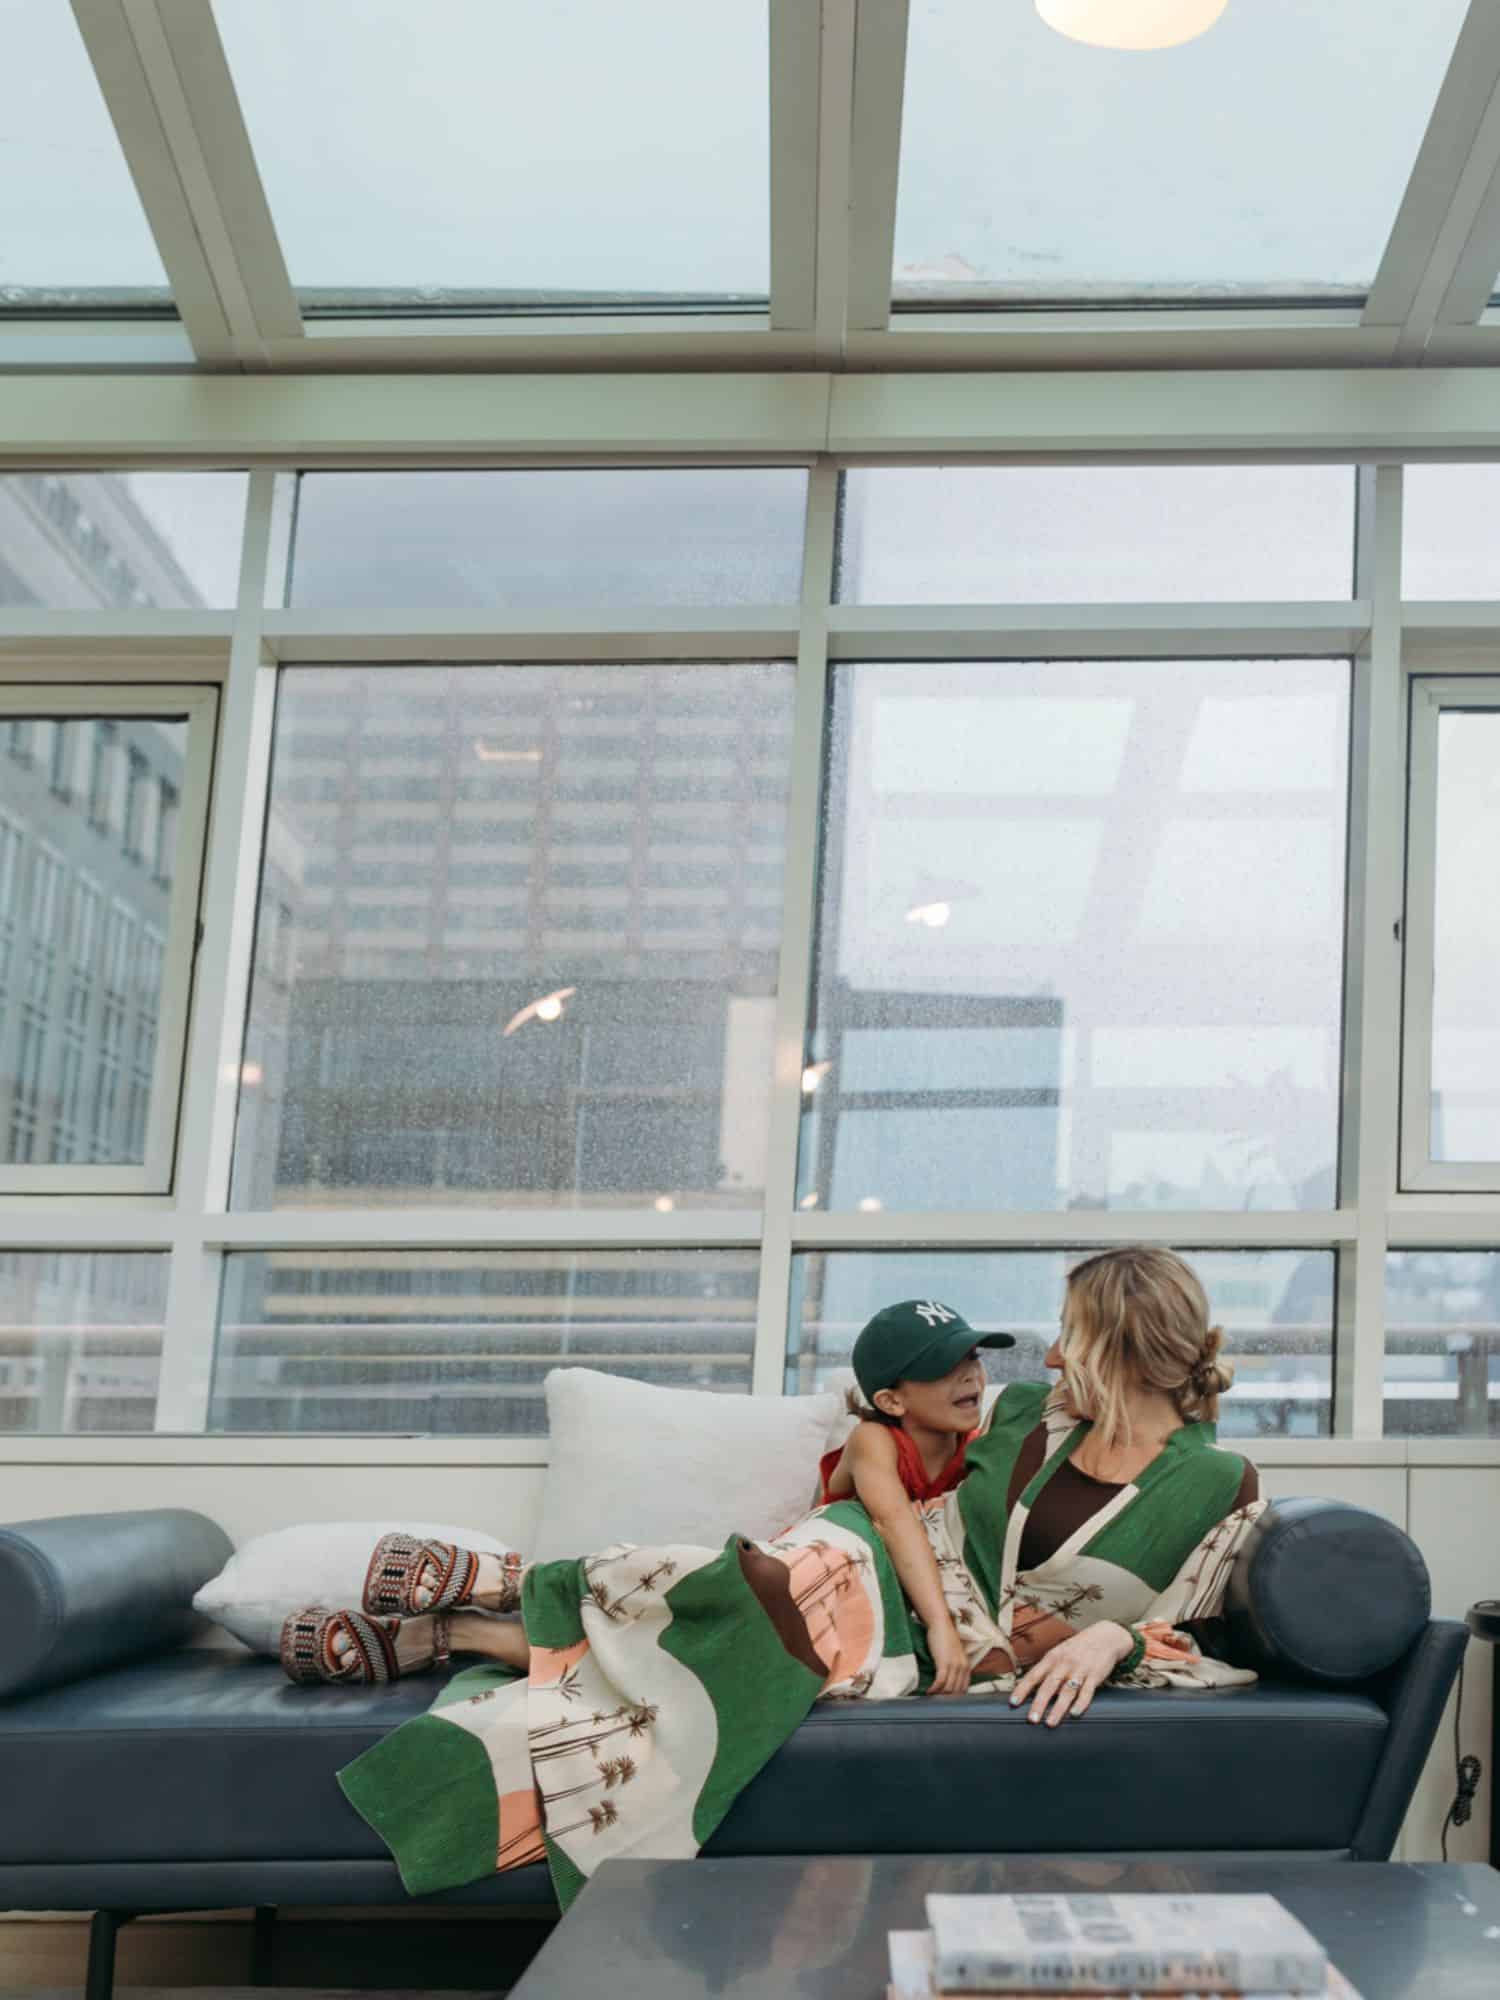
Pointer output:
x,y
408,1577
312,1656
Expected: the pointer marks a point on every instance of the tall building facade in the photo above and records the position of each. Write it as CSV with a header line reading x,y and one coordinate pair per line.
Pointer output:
x,y
89,817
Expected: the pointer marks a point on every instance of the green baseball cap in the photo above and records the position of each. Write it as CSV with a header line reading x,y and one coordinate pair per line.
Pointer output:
x,y
918,1340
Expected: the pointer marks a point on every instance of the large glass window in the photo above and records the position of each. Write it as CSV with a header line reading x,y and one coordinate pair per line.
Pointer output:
x,y
1080,937
1451,1110
80,1340
72,231
1465,1015
1076,941
518,936
1449,543
97,915
1276,1308
564,540
1035,168
1096,534
463,153
1442,1343
459,1343
120,541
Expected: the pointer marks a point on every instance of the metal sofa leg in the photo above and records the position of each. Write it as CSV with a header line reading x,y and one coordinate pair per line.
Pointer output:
x,y
99,1981
262,1947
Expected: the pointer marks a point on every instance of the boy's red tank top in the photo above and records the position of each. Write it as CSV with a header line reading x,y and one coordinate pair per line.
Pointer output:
x,y
913,1473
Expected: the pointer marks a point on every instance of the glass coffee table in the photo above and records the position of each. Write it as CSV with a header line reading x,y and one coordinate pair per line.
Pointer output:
x,y
815,1928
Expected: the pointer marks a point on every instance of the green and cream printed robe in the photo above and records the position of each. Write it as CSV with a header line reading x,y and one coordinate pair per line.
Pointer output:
x,y
663,1679
1156,1557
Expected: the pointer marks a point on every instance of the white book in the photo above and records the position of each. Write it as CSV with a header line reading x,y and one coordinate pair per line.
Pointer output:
x,y
913,1971
1122,1944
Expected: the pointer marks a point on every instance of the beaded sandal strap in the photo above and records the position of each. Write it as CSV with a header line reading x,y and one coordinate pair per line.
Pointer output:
x,y
408,1577
308,1655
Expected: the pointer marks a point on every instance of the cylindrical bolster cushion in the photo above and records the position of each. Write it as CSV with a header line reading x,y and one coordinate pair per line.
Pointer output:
x,y
1325,1592
86,1591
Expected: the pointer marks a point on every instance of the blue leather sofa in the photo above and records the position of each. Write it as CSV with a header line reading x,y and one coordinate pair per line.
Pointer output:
x,y
139,1773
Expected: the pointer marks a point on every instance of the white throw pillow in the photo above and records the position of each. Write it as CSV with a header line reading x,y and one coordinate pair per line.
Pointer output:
x,y
632,1463
324,1562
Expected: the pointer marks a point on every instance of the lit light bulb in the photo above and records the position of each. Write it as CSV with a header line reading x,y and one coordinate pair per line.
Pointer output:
x,y
808,1201
664,1204
548,1008
871,1204
1131,24
251,1073
813,1075
933,915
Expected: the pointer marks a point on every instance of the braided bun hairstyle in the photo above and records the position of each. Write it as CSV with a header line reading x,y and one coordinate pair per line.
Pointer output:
x,y
1139,1318
1209,1377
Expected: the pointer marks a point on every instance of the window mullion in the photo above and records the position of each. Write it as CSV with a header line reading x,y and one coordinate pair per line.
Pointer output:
x,y
1373,962
231,879
798,917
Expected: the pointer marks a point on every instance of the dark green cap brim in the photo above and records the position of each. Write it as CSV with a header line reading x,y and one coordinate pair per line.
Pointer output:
x,y
945,1353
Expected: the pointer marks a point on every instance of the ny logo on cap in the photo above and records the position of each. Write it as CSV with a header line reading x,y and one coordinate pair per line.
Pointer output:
x,y
934,1314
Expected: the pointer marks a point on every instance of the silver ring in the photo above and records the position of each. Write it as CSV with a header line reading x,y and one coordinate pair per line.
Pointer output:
x,y
1072,1684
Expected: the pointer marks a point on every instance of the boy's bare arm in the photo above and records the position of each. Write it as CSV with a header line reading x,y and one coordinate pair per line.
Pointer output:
x,y
871,1456
840,1480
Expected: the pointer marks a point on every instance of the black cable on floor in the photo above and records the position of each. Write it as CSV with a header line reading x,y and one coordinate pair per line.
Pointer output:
x,y
1468,1770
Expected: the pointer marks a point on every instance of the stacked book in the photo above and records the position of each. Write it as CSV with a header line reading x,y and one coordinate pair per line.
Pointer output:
x,y
1112,1948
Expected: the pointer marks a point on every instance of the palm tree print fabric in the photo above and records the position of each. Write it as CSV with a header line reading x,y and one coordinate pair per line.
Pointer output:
x,y
663,1679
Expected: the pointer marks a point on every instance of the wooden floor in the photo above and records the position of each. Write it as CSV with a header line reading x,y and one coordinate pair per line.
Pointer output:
x,y
240,1992
316,1954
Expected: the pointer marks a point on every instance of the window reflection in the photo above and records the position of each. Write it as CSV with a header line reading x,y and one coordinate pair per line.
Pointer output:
x,y
1276,1308
120,541
1096,534
557,540
87,855
1079,937
1442,1343
420,893
80,1340
1465,1106
459,1343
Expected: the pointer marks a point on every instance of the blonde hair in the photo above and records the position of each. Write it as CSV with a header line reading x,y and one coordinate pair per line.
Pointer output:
x,y
1139,1316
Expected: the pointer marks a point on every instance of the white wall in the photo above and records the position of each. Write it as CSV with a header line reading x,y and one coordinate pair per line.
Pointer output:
x,y
247,1499
1446,1495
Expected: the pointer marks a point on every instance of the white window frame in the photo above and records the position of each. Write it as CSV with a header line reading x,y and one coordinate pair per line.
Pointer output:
x,y
40,696
836,88
199,1228
1430,696
824,422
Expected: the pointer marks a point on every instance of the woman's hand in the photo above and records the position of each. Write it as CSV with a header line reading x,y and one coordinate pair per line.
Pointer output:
x,y
949,1658
1064,1681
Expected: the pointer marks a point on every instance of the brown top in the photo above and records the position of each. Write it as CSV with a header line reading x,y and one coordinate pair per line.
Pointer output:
x,y
1071,1497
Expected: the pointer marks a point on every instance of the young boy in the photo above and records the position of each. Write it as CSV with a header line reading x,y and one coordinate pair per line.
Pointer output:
x,y
918,1367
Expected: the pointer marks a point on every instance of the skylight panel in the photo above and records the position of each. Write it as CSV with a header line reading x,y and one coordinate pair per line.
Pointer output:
x,y
72,231
1264,161
469,154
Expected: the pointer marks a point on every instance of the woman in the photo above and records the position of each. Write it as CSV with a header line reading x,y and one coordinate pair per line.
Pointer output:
x,y
1111,1487
1095,1525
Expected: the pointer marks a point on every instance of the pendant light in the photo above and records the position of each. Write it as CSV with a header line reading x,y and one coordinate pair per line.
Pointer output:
x,y
1131,24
